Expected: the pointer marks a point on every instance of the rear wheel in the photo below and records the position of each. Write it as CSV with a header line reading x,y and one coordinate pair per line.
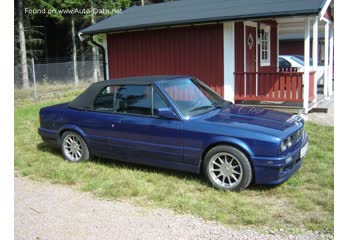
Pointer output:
x,y
73,147
227,168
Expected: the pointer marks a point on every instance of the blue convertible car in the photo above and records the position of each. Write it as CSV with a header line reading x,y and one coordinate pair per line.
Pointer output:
x,y
177,122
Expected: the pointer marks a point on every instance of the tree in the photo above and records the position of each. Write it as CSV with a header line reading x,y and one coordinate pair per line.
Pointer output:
x,y
74,52
92,18
53,6
29,40
31,35
71,4
22,44
95,52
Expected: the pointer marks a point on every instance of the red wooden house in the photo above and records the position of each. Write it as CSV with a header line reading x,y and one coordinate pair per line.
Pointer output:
x,y
230,45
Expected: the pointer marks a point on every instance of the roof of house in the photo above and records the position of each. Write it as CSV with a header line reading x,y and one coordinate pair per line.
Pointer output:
x,y
86,99
202,11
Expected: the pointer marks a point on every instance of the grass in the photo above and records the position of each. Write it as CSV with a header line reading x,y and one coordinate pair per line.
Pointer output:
x,y
47,91
304,202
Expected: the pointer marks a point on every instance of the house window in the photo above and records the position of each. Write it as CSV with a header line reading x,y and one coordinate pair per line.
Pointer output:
x,y
265,49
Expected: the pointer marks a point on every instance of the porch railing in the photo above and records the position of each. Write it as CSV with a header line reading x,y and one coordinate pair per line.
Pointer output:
x,y
272,86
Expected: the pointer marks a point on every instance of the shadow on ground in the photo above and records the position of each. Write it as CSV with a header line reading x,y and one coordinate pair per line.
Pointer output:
x,y
44,147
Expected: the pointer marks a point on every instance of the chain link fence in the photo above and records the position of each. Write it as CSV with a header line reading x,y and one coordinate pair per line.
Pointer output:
x,y
52,76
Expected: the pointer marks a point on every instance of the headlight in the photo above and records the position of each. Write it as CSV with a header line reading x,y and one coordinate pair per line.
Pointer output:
x,y
286,143
283,145
299,134
289,142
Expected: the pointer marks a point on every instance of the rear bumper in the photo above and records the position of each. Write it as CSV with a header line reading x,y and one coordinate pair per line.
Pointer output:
x,y
276,171
49,136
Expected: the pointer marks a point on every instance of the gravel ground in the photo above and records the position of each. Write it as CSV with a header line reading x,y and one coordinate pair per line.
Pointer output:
x,y
45,211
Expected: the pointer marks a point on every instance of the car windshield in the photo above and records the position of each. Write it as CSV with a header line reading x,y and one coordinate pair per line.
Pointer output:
x,y
191,96
300,59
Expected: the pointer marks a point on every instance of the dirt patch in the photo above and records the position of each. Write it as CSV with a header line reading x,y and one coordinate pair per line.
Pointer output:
x,y
46,211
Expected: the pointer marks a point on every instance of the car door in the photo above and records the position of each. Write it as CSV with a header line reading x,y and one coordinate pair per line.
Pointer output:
x,y
142,136
96,124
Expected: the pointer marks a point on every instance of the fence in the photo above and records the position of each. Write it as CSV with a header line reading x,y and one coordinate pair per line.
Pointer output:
x,y
55,77
60,73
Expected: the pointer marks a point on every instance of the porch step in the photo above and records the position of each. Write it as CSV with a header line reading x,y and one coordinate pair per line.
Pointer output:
x,y
319,110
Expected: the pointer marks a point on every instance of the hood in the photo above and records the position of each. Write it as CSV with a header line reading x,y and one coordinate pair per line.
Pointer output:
x,y
254,118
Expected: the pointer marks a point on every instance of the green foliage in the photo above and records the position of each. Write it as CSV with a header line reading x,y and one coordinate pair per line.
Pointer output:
x,y
55,10
49,5
55,7
304,202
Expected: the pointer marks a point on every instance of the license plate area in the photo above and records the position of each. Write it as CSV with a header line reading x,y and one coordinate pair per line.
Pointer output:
x,y
303,150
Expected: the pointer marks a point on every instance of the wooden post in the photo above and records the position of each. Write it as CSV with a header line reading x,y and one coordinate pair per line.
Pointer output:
x,y
278,47
315,54
34,78
306,65
330,68
229,61
326,61
105,45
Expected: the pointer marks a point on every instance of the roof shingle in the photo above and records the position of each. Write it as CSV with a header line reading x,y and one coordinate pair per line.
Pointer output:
x,y
202,11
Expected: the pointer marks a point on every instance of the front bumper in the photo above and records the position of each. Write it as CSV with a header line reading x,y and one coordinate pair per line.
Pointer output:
x,y
276,171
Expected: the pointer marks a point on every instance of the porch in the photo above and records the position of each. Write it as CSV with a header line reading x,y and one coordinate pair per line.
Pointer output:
x,y
254,76
281,90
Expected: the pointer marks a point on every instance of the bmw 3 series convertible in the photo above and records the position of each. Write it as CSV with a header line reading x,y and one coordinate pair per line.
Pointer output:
x,y
177,122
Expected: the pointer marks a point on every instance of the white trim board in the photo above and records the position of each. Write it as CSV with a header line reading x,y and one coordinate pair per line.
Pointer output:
x,y
229,61
105,46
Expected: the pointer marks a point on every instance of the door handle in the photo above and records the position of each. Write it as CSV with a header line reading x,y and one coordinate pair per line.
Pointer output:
x,y
115,123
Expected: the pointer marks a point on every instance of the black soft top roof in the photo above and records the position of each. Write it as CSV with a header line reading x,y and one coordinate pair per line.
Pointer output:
x,y
86,99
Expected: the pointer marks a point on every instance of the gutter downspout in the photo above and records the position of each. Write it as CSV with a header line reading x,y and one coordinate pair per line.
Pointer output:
x,y
103,51
103,56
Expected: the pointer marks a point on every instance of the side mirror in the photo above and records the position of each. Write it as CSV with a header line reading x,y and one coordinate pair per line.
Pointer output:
x,y
165,112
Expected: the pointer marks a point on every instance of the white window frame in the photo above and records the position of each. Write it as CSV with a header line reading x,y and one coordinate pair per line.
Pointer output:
x,y
267,61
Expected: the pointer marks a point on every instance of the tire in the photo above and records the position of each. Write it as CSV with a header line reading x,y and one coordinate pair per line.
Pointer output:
x,y
73,147
227,168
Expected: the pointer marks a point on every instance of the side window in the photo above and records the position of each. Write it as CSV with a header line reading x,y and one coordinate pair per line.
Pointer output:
x,y
105,100
134,99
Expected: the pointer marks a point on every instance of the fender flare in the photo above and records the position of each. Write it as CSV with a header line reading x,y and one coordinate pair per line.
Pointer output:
x,y
71,127
227,140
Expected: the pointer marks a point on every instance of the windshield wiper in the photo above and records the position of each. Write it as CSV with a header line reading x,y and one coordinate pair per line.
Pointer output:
x,y
202,107
220,104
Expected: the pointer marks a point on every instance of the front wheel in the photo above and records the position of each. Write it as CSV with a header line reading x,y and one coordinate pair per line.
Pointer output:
x,y
73,147
227,168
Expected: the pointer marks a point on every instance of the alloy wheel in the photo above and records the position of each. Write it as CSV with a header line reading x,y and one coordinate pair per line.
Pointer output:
x,y
225,170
